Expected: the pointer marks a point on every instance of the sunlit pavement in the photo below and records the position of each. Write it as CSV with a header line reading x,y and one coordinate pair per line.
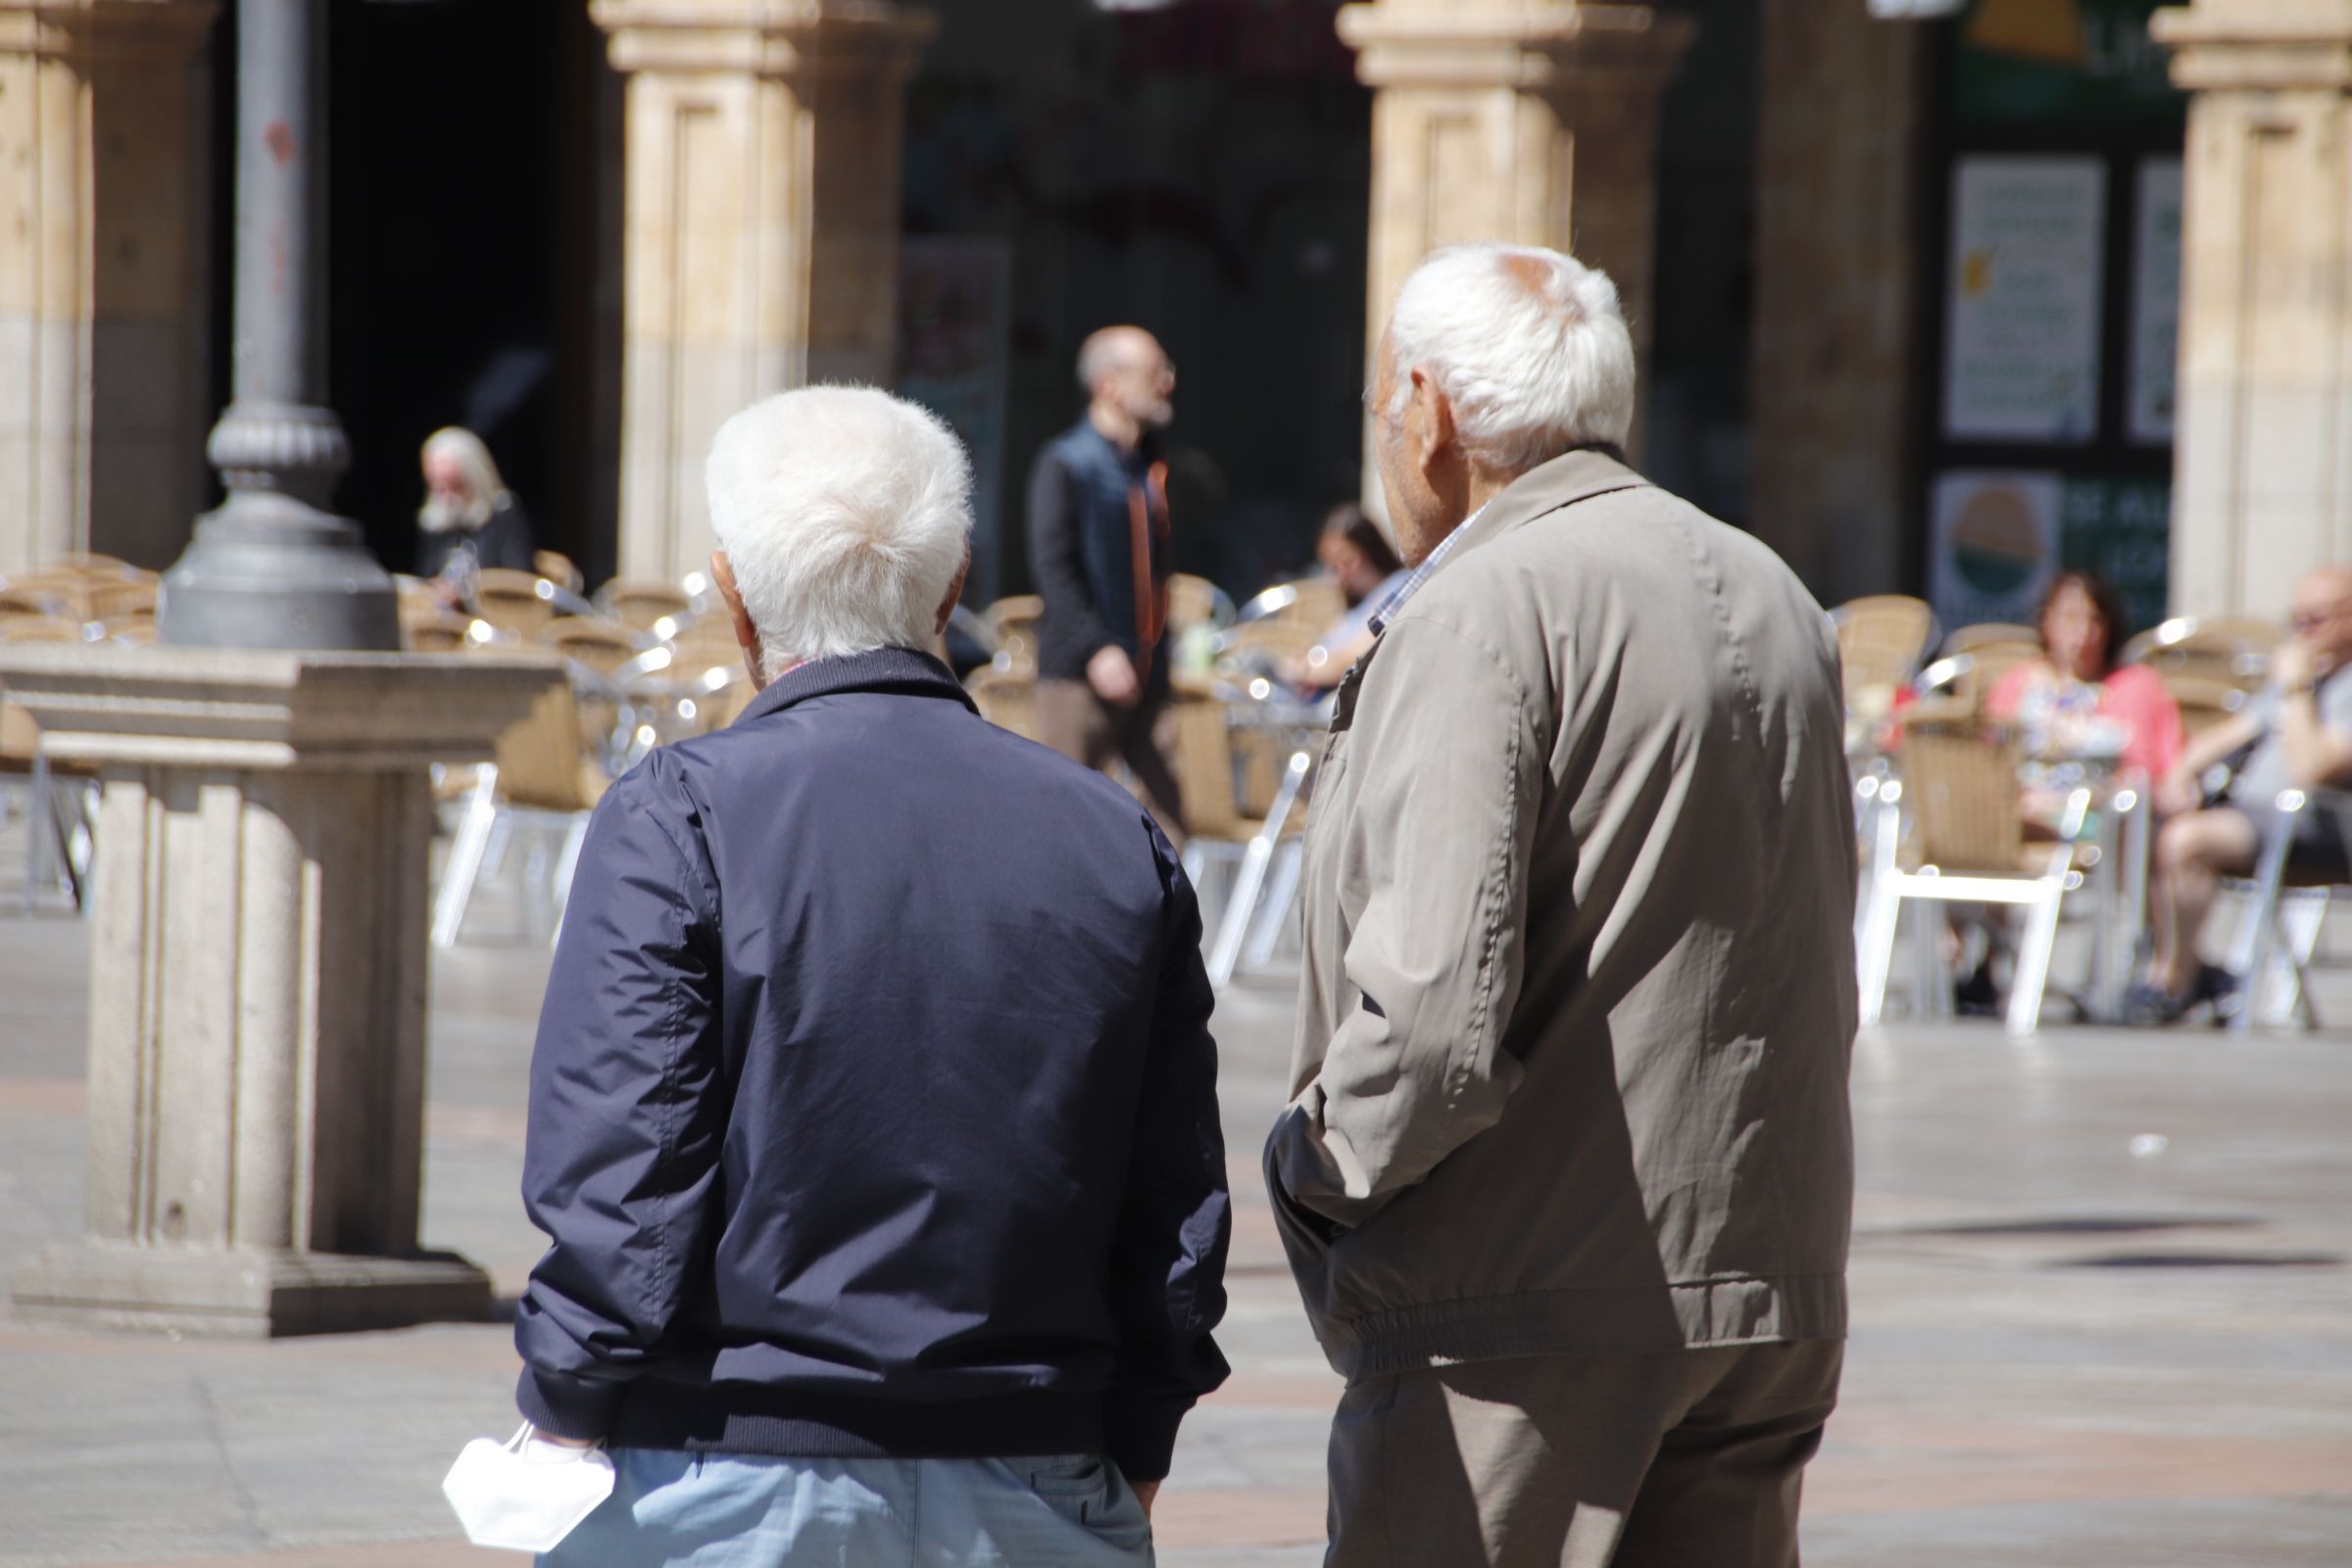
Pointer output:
x,y
2102,1303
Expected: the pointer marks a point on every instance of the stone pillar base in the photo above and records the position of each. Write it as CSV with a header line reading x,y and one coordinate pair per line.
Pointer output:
x,y
243,1294
258,979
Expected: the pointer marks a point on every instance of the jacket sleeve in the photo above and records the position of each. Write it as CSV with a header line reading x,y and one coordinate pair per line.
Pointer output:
x,y
626,1110
1056,558
1446,814
1167,1274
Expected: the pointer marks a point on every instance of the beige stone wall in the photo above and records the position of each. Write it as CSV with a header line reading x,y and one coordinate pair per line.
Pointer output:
x,y
105,136
761,236
2263,449
1531,122
1836,370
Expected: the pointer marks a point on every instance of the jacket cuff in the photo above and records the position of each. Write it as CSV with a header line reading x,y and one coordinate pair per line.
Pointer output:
x,y
567,1407
1139,1433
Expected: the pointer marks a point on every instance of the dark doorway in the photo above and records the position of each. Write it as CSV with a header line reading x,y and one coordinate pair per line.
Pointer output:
x,y
463,236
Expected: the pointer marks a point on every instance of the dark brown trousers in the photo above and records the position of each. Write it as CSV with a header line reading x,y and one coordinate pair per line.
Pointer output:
x,y
1681,1460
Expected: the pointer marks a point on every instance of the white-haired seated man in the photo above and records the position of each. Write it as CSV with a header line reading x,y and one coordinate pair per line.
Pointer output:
x,y
873,1116
1566,1174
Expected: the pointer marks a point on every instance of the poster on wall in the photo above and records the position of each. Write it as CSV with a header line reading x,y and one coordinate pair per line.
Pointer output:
x,y
955,346
1994,545
2155,301
2000,536
2022,330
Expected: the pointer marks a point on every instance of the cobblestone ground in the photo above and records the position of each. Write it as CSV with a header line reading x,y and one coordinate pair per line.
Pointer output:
x,y
2102,1303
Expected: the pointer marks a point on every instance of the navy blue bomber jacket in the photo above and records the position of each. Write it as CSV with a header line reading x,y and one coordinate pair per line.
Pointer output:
x,y
873,1109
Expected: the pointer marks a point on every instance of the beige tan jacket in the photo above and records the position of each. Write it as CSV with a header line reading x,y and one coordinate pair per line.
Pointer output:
x,y
1579,994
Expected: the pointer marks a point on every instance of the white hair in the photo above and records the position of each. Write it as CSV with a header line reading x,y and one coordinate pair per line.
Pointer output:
x,y
1526,343
485,491
844,513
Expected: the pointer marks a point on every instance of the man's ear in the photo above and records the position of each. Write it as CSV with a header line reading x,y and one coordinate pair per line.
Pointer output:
x,y
947,605
747,635
1433,443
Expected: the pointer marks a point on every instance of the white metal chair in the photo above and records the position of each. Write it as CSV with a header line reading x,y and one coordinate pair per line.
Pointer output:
x,y
2281,930
1958,792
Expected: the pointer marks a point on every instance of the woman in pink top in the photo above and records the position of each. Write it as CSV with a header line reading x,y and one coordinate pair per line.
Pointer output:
x,y
2076,689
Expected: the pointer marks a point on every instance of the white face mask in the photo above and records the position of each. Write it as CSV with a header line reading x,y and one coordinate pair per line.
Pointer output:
x,y
525,1494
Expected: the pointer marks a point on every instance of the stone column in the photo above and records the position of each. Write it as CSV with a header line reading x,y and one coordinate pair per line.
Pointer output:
x,y
1531,122
2262,489
104,152
761,246
258,981
1835,372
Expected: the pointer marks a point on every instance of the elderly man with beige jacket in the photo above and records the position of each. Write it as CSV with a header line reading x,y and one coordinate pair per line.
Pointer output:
x,y
1567,1174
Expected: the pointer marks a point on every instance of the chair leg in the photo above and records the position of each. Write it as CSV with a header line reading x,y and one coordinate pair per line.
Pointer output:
x,y
2300,918
465,864
2258,937
1878,944
2033,951
1235,926
1931,980
1275,909
567,862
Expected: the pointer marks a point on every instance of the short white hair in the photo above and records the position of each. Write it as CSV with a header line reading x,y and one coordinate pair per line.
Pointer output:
x,y
1527,344
845,515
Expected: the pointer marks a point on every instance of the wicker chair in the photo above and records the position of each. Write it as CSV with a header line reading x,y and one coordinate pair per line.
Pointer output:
x,y
1006,698
604,646
1013,622
547,774
1968,639
520,605
2227,649
1880,640
638,602
1197,602
1967,845
2203,701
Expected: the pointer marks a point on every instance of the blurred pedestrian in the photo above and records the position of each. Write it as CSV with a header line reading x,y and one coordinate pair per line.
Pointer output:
x,y
2076,683
470,519
1567,1174
1361,561
873,1115
2221,798
1098,550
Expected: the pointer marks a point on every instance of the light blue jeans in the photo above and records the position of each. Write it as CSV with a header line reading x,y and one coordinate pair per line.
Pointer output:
x,y
720,1510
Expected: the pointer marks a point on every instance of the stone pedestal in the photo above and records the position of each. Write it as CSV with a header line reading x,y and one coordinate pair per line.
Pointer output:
x,y
258,980
2262,491
761,247
104,155
1836,370
1529,121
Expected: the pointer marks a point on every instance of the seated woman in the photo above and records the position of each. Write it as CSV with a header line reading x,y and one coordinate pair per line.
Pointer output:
x,y
2075,700
1355,550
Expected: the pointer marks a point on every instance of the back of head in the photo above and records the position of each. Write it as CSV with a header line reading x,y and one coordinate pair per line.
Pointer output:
x,y
844,513
1528,346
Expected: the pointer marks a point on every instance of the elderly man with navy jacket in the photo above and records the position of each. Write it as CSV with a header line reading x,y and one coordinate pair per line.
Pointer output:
x,y
873,1117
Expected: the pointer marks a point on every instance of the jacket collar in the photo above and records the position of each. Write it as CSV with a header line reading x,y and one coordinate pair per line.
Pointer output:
x,y
1577,474
898,672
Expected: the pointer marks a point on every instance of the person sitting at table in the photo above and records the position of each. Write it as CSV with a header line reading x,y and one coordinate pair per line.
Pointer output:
x,y
2219,800
1355,550
2066,696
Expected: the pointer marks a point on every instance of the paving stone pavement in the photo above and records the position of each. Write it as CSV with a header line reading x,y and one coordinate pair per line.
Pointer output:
x,y
2065,1353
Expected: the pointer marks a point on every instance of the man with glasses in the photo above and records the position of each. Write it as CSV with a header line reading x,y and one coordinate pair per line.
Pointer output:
x,y
1098,550
2219,799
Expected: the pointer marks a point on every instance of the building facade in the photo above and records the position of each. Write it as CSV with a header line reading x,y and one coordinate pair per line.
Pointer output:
x,y
1931,304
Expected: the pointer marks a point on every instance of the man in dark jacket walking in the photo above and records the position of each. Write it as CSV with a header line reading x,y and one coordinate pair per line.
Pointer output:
x,y
873,1115
1098,550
